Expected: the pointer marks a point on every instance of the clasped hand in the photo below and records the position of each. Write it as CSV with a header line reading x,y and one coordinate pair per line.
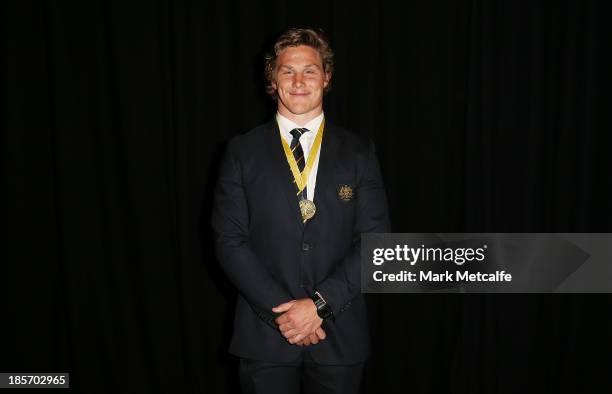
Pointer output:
x,y
299,323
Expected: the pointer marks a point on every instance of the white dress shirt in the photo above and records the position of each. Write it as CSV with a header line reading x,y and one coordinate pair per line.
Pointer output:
x,y
306,140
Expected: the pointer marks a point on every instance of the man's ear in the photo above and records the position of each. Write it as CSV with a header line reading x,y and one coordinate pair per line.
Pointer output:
x,y
273,83
326,80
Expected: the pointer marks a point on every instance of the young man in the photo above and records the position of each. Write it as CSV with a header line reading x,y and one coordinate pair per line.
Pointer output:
x,y
293,197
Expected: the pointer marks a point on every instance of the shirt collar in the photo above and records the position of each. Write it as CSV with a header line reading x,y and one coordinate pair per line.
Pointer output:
x,y
286,125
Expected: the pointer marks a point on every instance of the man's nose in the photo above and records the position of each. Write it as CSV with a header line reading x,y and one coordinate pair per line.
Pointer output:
x,y
298,79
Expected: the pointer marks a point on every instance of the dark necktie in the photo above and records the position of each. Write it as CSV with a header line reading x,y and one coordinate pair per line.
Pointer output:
x,y
298,155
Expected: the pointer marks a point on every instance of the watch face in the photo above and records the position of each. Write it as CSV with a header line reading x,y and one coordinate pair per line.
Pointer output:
x,y
324,311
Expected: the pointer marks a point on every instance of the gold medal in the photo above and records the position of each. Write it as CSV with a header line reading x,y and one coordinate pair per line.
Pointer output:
x,y
308,209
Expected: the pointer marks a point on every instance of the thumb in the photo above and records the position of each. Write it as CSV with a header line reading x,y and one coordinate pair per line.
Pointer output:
x,y
283,307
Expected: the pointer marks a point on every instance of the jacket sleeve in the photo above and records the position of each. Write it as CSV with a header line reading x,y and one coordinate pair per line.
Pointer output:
x,y
344,283
230,222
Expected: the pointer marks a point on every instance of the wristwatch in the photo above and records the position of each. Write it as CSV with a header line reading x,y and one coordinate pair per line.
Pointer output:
x,y
323,309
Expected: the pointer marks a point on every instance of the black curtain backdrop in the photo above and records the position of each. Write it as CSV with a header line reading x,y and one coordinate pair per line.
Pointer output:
x,y
488,117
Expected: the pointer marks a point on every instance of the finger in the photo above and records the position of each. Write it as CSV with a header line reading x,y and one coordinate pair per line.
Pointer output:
x,y
313,339
320,333
290,333
282,319
283,307
305,342
286,326
296,338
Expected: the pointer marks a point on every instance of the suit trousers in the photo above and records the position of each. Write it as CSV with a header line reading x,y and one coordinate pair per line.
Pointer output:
x,y
259,377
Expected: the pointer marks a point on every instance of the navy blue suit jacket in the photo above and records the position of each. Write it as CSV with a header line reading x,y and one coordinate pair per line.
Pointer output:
x,y
272,257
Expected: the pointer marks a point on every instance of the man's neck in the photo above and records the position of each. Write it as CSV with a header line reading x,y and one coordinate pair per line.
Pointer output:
x,y
299,119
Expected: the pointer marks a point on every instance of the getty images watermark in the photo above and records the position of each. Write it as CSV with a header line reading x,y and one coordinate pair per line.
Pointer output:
x,y
485,263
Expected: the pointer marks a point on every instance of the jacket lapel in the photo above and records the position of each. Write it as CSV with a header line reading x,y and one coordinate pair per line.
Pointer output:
x,y
325,172
281,173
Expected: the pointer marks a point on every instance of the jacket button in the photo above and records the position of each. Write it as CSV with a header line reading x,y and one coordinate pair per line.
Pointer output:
x,y
306,246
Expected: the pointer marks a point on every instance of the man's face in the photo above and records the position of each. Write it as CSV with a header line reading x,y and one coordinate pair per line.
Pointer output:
x,y
300,80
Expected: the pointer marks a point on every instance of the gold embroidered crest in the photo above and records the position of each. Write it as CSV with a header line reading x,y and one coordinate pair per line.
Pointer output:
x,y
345,193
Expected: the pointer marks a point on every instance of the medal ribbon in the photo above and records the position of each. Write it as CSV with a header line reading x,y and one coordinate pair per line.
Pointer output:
x,y
301,179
